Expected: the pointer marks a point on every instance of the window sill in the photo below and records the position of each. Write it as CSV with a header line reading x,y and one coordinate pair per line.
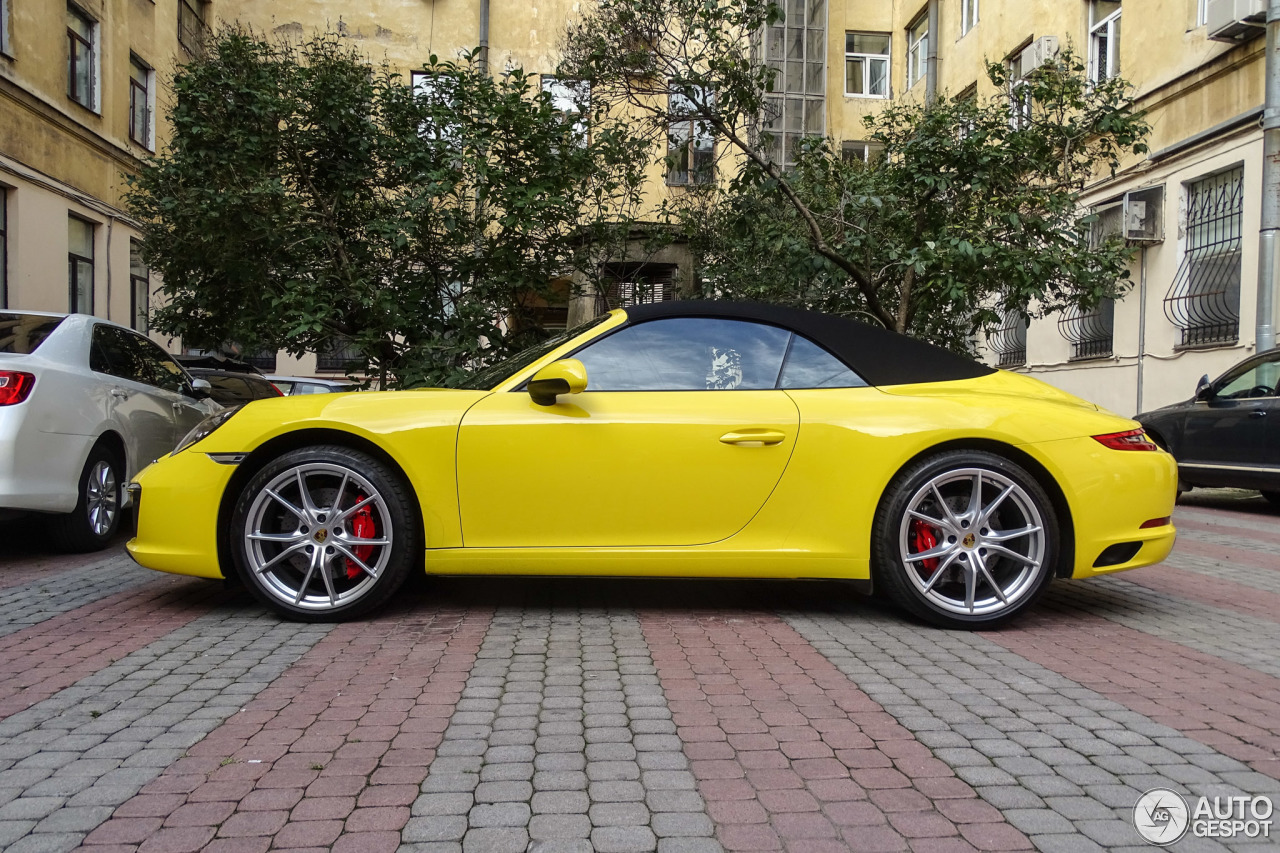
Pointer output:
x,y
853,95
1207,346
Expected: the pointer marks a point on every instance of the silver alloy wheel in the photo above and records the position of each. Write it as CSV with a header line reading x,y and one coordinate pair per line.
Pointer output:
x,y
101,497
301,539
972,541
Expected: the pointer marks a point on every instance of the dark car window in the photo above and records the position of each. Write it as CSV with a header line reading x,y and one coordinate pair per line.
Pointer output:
x,y
810,366
233,389
22,334
687,354
113,352
162,370
1257,380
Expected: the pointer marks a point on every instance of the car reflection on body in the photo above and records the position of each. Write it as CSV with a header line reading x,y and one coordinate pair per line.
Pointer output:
x,y
701,439
1228,433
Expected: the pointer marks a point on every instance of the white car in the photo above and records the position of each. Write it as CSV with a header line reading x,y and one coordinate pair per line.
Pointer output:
x,y
84,405
293,385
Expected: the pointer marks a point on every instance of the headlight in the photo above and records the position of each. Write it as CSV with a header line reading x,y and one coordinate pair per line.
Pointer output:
x,y
205,428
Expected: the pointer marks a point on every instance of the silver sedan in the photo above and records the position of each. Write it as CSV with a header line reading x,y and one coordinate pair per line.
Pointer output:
x,y
84,405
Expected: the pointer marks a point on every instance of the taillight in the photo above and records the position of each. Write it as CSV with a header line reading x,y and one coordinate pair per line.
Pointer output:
x,y
1134,439
15,386
279,393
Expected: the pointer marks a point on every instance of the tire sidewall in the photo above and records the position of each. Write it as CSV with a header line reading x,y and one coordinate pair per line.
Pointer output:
x,y
74,531
889,569
401,517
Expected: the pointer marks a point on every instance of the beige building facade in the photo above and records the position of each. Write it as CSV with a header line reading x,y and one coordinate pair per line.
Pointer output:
x,y
80,81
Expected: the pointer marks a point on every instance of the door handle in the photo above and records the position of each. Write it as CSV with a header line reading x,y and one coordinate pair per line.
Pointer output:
x,y
120,393
1258,413
754,437
177,407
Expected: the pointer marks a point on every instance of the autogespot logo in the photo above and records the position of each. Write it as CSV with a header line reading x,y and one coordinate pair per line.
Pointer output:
x,y
1161,816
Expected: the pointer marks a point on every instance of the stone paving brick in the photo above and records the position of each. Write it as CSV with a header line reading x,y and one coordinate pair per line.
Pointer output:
x,y
800,698
997,687
43,595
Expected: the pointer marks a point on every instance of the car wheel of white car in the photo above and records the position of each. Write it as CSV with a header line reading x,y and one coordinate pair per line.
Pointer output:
x,y
965,539
100,491
325,534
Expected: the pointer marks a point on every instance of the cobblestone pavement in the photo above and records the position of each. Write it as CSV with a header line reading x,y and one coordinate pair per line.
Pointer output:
x,y
145,712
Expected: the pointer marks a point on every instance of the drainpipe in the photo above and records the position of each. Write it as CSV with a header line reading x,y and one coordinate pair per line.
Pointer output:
x,y
931,55
1269,233
484,36
1142,320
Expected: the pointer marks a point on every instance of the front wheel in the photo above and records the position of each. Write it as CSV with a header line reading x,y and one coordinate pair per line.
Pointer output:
x,y
965,539
325,534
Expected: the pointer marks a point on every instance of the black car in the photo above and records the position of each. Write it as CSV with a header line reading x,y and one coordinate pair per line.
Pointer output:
x,y
234,382
1228,434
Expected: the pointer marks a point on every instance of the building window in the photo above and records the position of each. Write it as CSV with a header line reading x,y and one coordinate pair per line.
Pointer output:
x,y
1202,12
340,356
191,25
264,360
857,151
917,50
636,284
968,15
139,288
1019,92
1009,340
438,92
571,99
1104,39
796,50
80,265
4,248
866,64
1204,300
4,26
82,58
691,146
141,94
1090,331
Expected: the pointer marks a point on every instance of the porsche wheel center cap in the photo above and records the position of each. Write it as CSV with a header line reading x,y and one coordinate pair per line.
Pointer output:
x,y
323,534
968,540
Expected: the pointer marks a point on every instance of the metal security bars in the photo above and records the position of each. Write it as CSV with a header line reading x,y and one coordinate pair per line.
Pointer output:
x,y
1009,340
636,284
1204,299
1090,332
340,356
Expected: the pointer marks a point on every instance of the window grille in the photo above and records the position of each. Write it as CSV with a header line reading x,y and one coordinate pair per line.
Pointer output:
x,y
340,356
1009,340
1204,299
1091,332
796,49
264,360
636,284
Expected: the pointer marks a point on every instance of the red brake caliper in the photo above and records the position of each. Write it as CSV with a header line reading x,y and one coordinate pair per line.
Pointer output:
x,y
361,528
922,539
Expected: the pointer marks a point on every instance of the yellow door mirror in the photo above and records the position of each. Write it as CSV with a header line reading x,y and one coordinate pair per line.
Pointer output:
x,y
566,376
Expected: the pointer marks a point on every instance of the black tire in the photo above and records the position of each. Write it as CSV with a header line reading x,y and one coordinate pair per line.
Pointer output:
x,y
307,563
100,496
981,577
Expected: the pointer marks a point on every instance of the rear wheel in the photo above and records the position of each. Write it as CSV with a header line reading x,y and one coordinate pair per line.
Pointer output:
x,y
94,521
965,539
325,534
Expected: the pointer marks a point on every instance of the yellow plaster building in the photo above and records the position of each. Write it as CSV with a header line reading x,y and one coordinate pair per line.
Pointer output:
x,y
79,81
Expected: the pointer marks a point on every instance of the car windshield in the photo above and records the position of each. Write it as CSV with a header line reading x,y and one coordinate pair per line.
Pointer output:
x,y
22,334
483,380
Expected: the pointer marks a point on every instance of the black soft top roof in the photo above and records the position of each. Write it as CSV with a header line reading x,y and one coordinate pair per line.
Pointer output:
x,y
877,355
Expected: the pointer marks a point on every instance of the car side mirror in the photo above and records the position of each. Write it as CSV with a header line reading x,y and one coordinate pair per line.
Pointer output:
x,y
566,376
201,389
1204,388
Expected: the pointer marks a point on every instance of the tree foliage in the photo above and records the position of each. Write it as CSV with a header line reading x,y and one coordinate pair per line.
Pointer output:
x,y
972,209
309,199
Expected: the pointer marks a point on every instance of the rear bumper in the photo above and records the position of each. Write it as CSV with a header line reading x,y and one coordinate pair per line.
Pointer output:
x,y
39,470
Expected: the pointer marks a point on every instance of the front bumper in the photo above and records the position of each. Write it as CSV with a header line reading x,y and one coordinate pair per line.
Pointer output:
x,y
176,525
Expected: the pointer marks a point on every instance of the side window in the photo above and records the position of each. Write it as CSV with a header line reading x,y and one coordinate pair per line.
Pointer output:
x,y
113,353
1260,380
810,366
687,354
161,370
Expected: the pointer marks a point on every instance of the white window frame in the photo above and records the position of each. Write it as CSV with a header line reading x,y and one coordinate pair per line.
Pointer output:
x,y
1107,29
867,60
917,50
95,58
683,111
423,84
968,15
1202,12
861,149
570,98
1019,93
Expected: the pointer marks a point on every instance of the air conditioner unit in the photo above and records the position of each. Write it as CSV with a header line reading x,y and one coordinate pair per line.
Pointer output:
x,y
1040,51
1144,215
1235,20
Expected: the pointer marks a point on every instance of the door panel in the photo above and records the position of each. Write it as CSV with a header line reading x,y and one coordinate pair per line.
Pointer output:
x,y
1237,426
620,468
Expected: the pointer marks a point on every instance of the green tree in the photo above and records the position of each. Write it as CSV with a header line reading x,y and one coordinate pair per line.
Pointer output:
x,y
309,199
971,209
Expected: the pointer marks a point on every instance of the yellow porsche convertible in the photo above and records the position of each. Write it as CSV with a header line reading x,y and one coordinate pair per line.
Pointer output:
x,y
694,439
